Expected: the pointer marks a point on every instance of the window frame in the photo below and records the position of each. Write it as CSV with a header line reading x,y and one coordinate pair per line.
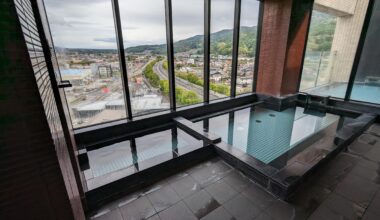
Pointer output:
x,y
351,80
358,53
170,56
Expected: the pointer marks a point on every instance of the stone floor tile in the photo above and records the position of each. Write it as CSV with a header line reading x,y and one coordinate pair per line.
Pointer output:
x,y
264,216
281,210
154,217
357,189
129,198
237,180
373,154
324,213
359,148
117,203
340,165
368,138
201,203
258,196
155,187
176,177
368,170
374,129
370,216
218,214
210,172
163,198
221,191
328,181
112,215
342,206
185,186
310,197
178,211
140,208
374,206
242,208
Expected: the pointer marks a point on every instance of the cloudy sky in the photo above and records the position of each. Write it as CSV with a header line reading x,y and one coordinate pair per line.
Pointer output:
x,y
89,23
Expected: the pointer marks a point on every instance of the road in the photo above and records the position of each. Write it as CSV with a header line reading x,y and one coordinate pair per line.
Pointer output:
x,y
184,83
116,90
139,70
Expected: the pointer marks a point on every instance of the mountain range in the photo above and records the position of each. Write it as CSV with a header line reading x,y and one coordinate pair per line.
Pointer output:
x,y
220,43
320,38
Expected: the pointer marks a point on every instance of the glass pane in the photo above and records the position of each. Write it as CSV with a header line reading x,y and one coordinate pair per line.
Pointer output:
x,y
332,42
222,22
188,31
112,162
144,32
367,82
318,51
84,36
247,45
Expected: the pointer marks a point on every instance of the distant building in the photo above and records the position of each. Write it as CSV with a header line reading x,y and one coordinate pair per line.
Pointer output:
x,y
186,69
77,77
89,110
116,104
105,71
245,71
215,76
152,102
191,61
196,56
244,81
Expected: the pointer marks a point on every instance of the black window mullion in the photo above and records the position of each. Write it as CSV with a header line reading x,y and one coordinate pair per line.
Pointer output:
x,y
170,53
359,50
123,63
206,51
235,47
258,43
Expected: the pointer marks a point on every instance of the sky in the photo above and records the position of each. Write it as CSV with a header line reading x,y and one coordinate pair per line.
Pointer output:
x,y
90,24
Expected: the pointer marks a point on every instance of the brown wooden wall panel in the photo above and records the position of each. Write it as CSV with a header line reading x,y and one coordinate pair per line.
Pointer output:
x,y
37,181
275,27
299,26
284,32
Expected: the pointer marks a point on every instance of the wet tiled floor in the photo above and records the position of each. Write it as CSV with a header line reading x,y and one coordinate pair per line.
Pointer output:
x,y
345,188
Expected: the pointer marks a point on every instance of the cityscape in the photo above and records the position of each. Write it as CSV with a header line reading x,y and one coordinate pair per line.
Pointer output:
x,y
86,49
98,95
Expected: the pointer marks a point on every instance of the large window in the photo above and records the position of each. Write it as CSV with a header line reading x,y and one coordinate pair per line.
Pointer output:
x,y
367,82
84,37
144,33
222,23
247,45
332,42
188,48
316,71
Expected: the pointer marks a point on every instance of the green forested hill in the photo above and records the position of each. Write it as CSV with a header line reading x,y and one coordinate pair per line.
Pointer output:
x,y
320,39
221,43
322,30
